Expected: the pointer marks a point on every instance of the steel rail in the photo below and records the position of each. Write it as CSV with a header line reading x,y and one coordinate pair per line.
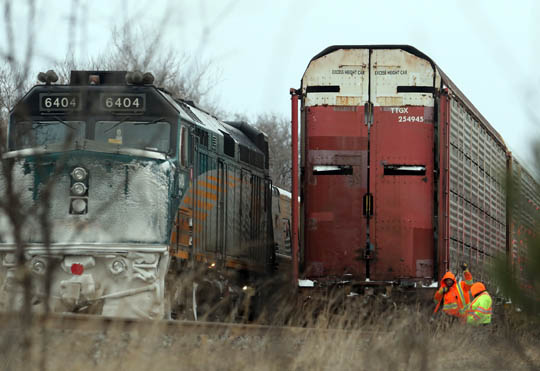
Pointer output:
x,y
89,323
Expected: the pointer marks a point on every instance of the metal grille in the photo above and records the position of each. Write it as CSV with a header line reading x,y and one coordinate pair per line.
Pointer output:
x,y
477,197
524,209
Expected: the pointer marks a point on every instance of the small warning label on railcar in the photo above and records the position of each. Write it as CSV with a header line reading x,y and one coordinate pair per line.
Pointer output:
x,y
391,72
348,72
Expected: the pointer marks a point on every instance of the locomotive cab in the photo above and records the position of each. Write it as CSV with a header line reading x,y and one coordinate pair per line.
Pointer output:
x,y
97,170
123,188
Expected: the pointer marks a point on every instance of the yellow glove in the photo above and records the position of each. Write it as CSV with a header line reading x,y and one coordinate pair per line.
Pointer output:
x,y
443,290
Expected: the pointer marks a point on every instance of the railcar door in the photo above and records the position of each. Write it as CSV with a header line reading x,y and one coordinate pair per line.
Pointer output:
x,y
335,178
334,164
401,165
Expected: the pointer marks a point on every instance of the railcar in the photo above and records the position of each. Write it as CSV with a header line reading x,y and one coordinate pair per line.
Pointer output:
x,y
118,187
281,219
523,213
401,177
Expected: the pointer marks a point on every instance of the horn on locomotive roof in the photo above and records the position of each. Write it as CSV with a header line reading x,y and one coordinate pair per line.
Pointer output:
x,y
138,78
47,77
110,78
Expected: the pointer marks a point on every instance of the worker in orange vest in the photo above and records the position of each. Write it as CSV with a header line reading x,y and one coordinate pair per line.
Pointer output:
x,y
454,296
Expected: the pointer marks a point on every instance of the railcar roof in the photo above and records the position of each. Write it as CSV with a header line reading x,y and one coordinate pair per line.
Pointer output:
x,y
240,137
188,111
445,79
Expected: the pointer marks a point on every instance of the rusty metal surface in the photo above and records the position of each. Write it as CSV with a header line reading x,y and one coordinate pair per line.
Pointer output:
x,y
334,225
402,226
402,135
467,197
441,80
295,188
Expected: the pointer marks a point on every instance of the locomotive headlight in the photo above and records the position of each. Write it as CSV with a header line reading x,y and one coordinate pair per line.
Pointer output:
x,y
78,205
9,260
39,266
118,266
79,174
78,189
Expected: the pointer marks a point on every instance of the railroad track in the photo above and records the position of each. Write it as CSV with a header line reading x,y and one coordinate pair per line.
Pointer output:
x,y
90,323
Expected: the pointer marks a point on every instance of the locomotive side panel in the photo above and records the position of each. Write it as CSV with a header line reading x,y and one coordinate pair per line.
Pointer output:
x,y
232,227
477,192
231,218
204,201
245,211
402,165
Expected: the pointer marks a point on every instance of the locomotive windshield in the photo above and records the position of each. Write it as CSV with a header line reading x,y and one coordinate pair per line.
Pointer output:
x,y
147,135
30,134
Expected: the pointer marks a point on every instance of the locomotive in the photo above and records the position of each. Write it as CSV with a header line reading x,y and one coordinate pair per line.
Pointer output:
x,y
401,177
120,187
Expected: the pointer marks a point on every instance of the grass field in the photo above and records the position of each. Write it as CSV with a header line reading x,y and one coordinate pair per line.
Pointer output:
x,y
396,339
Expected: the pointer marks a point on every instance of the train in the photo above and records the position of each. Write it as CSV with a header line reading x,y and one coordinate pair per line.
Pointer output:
x,y
400,178
121,200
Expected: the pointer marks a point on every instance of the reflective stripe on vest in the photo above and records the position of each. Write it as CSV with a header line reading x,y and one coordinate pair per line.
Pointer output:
x,y
450,306
461,296
483,310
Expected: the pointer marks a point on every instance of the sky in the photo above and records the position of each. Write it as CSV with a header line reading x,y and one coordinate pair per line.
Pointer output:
x,y
260,49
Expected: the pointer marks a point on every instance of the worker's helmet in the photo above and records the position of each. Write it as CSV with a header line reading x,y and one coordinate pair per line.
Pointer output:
x,y
477,288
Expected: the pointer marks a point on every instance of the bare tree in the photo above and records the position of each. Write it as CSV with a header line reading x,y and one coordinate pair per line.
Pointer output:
x,y
183,75
279,140
14,82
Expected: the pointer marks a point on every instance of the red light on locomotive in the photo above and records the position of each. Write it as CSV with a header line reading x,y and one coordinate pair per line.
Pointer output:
x,y
77,269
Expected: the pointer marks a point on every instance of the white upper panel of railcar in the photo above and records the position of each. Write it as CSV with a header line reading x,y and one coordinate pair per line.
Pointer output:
x,y
345,76
347,69
395,68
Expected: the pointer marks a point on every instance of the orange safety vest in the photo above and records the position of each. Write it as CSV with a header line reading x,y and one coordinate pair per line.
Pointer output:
x,y
458,296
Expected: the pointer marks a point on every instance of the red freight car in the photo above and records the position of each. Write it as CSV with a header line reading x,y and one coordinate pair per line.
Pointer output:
x,y
401,177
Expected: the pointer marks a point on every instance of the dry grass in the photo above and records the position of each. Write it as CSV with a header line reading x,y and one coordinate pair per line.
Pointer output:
x,y
403,338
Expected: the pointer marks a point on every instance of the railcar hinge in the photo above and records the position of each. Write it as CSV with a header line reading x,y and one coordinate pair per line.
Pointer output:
x,y
368,113
368,204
